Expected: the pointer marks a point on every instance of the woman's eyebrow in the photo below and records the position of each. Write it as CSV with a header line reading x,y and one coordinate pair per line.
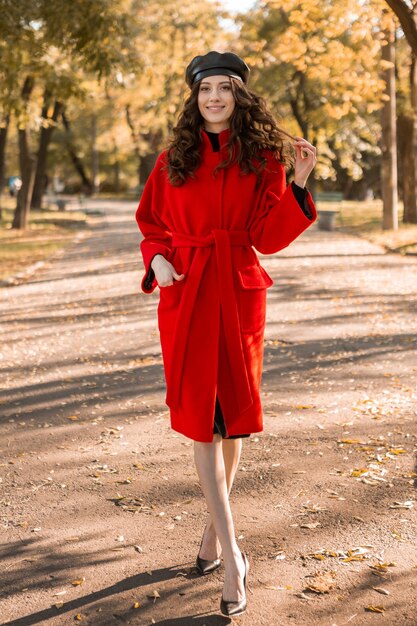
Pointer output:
x,y
222,82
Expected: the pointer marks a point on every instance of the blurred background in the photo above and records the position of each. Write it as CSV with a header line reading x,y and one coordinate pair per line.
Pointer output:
x,y
90,91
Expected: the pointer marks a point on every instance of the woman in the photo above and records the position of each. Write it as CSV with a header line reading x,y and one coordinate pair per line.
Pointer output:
x,y
215,194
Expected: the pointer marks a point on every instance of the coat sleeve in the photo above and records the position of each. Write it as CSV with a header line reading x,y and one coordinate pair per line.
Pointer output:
x,y
278,218
157,239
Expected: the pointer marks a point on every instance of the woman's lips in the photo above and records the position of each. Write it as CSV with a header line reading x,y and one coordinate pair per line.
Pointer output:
x,y
219,108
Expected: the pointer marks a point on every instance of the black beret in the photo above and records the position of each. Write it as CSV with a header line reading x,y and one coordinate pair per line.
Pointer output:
x,y
213,63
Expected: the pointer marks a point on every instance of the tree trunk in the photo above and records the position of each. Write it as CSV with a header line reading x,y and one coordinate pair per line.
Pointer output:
x,y
408,177
27,171
405,14
135,141
27,163
76,161
44,141
3,142
94,156
389,139
409,150
116,172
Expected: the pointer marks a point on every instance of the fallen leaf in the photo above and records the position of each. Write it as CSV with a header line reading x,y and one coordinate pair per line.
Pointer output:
x,y
311,525
136,605
59,605
375,609
322,582
385,592
356,473
153,595
408,504
80,581
303,596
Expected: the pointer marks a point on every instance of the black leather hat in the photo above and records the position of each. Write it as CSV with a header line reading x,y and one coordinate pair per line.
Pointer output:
x,y
213,63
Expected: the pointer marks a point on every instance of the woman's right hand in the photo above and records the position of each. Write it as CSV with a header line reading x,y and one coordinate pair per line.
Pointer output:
x,y
164,271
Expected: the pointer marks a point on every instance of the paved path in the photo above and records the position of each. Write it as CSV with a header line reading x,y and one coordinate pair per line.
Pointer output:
x,y
96,488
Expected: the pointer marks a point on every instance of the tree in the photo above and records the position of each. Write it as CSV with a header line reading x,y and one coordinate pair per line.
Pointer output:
x,y
389,134
406,13
318,66
407,120
90,36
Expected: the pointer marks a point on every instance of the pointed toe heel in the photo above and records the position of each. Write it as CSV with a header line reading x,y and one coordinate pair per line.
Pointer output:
x,y
231,609
205,566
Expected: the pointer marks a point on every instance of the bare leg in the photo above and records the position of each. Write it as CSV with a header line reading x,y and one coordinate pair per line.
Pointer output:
x,y
231,448
210,466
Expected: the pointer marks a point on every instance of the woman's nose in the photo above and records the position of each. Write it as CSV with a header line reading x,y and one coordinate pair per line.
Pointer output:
x,y
214,95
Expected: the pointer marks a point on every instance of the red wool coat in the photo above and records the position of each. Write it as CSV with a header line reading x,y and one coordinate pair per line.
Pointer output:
x,y
212,323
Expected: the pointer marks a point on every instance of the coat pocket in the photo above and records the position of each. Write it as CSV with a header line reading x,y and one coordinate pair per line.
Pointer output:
x,y
253,283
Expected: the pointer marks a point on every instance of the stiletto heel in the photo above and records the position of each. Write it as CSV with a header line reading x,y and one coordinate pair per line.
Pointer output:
x,y
205,566
236,608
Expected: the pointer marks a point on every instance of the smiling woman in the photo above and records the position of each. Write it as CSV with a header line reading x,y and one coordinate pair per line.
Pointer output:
x,y
217,193
216,102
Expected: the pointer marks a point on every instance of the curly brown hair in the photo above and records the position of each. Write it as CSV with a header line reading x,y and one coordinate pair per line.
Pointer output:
x,y
252,130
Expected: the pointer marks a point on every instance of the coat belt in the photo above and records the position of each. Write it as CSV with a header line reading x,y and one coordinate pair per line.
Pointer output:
x,y
221,240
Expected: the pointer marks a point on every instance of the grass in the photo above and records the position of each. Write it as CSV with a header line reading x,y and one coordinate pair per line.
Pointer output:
x,y
48,232
364,219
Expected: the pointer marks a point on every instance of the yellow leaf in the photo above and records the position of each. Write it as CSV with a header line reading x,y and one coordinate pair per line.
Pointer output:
x,y
322,582
136,605
343,440
73,417
78,617
359,472
80,581
375,609
59,604
304,406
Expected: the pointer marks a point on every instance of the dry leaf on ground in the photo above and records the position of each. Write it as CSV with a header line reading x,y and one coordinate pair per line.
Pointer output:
x,y
384,592
375,609
322,582
311,525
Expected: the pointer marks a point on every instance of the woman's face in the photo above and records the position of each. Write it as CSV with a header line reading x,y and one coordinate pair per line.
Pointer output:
x,y
216,102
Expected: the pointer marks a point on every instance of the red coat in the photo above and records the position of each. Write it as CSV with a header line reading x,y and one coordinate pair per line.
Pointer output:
x,y
212,323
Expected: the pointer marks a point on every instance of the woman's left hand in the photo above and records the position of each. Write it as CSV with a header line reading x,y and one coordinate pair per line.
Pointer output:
x,y
303,164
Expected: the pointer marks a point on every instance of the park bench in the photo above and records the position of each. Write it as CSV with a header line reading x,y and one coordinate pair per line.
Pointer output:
x,y
327,217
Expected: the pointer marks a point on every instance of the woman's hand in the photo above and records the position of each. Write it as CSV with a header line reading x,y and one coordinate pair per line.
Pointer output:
x,y
303,164
165,273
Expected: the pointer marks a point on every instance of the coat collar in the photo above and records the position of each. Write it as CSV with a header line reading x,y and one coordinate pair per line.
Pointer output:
x,y
223,139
